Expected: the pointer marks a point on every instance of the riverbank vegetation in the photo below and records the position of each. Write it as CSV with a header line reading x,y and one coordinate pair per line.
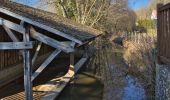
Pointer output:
x,y
115,19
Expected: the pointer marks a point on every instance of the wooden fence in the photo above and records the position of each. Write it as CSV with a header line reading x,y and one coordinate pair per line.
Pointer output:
x,y
164,33
11,57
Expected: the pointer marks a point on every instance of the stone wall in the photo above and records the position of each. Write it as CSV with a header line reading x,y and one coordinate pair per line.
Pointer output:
x,y
162,82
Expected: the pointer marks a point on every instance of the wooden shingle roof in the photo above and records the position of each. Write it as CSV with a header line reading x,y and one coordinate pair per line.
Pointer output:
x,y
80,33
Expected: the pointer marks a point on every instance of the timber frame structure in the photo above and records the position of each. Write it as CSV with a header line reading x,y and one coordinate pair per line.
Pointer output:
x,y
33,24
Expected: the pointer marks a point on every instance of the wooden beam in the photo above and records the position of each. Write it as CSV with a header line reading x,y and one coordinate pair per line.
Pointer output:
x,y
12,26
63,81
27,68
30,21
45,64
13,37
15,45
10,34
49,41
36,52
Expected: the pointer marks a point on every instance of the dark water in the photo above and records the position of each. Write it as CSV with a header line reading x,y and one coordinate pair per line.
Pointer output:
x,y
84,87
133,90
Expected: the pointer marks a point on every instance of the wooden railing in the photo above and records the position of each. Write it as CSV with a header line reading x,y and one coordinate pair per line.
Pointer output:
x,y
164,33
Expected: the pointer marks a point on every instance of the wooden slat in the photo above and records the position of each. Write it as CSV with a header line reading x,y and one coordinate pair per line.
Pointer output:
x,y
45,64
30,21
163,33
15,45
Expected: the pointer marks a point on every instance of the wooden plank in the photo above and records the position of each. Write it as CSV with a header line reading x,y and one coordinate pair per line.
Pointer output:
x,y
30,21
45,64
27,68
15,45
49,41
57,88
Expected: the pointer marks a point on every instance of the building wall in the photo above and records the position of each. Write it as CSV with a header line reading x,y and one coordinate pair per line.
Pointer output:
x,y
162,82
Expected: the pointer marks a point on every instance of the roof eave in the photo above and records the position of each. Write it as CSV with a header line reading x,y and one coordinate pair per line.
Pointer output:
x,y
40,25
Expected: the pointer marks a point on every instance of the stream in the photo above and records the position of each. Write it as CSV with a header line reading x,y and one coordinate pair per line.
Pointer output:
x,y
134,90
87,87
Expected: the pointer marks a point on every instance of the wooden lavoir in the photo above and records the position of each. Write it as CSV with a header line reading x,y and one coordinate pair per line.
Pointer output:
x,y
30,28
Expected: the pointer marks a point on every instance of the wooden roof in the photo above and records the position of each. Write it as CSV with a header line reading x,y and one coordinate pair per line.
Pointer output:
x,y
50,22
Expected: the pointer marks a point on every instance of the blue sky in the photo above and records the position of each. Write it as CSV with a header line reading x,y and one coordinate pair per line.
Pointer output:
x,y
28,2
136,4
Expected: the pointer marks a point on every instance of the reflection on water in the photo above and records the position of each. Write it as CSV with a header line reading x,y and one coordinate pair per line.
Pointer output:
x,y
133,90
85,87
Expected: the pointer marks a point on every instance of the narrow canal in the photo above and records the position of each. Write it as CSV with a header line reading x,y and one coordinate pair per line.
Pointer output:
x,y
84,87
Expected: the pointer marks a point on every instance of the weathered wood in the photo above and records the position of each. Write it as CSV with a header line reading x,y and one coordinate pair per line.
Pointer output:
x,y
163,33
57,88
45,64
15,45
164,7
10,33
36,52
30,21
49,41
27,68
12,25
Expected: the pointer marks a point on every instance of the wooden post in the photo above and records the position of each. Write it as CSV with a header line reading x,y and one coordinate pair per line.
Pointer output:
x,y
27,68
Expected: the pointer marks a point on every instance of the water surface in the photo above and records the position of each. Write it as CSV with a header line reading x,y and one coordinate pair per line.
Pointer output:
x,y
134,90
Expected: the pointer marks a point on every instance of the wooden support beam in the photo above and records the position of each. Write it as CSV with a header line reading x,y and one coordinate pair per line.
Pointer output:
x,y
36,52
63,81
49,41
30,21
10,34
13,37
45,64
12,26
27,68
15,45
